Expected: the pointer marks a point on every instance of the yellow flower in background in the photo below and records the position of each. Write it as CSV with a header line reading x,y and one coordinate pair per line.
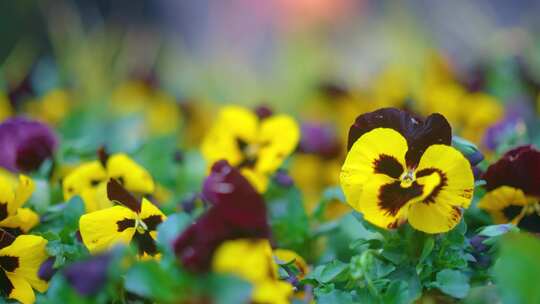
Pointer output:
x,y
508,205
256,146
399,169
5,107
131,220
14,192
160,110
89,180
52,107
20,260
252,260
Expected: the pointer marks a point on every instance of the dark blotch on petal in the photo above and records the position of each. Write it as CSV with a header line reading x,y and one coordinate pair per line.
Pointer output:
x,y
420,134
3,211
25,144
388,165
435,192
125,224
392,197
9,263
5,284
237,210
530,222
518,168
153,221
90,276
510,212
117,193
6,238
145,243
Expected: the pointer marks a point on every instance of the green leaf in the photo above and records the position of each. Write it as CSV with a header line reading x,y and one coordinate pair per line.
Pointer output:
x,y
332,270
149,280
453,283
171,228
516,271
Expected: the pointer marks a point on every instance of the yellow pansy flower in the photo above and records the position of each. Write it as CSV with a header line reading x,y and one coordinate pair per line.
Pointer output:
x,y
89,180
256,146
256,266
131,220
20,260
14,192
399,168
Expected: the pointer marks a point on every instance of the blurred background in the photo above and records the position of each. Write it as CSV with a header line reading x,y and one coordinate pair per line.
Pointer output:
x,y
424,56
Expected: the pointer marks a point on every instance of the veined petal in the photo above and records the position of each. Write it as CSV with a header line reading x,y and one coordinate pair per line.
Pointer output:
x,y
233,123
30,250
133,176
378,152
22,291
101,230
278,137
504,204
87,175
448,183
24,219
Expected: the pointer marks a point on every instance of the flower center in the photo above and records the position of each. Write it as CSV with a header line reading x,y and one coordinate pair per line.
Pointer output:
x,y
140,225
407,178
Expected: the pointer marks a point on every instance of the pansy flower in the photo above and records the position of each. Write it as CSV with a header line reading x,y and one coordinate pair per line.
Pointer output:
x,y
131,220
513,189
89,180
401,168
14,192
20,259
25,144
237,211
256,145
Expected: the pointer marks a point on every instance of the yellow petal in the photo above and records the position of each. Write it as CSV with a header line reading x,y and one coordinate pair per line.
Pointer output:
x,y
23,190
133,176
22,291
495,202
95,198
30,249
221,142
278,137
272,292
100,230
24,219
86,175
14,192
359,166
257,179
148,209
448,181
256,264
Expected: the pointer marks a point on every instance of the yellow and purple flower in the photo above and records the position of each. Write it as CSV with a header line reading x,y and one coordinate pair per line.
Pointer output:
x,y
89,180
513,189
400,168
256,145
131,220
14,192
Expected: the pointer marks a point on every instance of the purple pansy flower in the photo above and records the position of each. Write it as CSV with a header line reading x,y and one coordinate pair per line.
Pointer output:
x,y
25,144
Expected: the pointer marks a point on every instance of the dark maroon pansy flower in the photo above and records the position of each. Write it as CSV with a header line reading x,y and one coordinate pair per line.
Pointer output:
x,y
419,133
518,168
90,276
236,211
25,144
319,139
